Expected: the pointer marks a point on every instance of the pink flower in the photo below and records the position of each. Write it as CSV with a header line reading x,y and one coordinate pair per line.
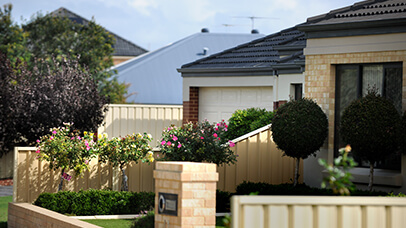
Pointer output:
x,y
216,129
163,142
215,135
86,162
179,145
169,143
218,124
37,151
175,138
52,137
201,137
231,144
54,132
87,148
73,138
86,143
225,129
38,141
78,137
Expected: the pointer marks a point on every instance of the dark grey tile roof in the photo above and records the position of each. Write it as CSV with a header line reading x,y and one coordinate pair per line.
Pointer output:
x,y
122,47
370,10
283,47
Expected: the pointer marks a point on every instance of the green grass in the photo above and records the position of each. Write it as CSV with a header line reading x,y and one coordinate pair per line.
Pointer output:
x,y
3,210
113,223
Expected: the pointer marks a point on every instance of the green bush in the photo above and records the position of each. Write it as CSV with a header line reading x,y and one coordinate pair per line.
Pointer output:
x,y
402,135
247,120
223,201
299,128
370,125
96,202
145,221
246,188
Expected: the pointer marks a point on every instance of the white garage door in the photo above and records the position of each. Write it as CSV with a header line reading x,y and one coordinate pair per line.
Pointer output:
x,y
218,103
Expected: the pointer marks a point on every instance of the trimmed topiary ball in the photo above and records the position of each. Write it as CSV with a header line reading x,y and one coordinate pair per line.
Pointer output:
x,y
370,125
299,128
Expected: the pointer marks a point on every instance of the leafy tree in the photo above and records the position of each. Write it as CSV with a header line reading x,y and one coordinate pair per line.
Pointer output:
x,y
45,37
299,128
369,125
32,102
119,152
247,120
12,37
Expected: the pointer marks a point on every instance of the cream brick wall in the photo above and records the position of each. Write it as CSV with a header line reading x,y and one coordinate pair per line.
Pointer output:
x,y
195,184
320,78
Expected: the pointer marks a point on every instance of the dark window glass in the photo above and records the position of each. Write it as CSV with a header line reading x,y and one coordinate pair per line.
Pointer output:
x,y
353,81
298,91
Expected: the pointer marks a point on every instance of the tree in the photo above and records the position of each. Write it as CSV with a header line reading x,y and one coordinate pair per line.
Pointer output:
x,y
119,152
32,102
370,126
299,128
45,37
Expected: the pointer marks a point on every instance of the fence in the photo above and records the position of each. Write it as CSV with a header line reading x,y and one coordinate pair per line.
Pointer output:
x,y
317,211
258,160
121,120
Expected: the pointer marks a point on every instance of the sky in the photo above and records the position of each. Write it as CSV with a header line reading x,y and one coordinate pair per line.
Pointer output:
x,y
153,24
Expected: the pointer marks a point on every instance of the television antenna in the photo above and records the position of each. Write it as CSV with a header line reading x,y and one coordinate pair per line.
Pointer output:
x,y
253,19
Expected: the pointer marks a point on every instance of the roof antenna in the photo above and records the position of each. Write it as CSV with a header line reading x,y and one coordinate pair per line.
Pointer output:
x,y
253,18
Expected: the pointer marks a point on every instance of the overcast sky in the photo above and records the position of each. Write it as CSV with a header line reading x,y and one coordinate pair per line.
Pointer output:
x,y
152,24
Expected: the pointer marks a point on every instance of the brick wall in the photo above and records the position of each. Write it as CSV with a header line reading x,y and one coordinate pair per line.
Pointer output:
x,y
191,107
28,215
320,78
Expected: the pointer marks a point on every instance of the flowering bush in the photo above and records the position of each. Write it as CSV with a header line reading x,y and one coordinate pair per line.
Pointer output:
x,y
67,150
121,151
197,142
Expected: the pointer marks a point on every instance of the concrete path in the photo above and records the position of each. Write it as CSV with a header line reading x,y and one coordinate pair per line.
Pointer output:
x,y
6,191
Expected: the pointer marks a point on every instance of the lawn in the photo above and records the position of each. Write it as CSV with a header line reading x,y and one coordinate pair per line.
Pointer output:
x,y
3,210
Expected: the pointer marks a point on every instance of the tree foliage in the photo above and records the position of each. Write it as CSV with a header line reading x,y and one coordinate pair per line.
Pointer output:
x,y
299,128
32,102
45,37
370,125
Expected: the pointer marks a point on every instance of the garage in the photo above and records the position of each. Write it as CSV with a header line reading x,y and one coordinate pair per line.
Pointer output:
x,y
217,103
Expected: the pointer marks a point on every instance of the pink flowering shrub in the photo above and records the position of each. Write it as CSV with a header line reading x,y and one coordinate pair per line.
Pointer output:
x,y
66,150
201,142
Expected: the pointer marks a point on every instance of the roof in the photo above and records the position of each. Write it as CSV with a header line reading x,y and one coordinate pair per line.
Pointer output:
x,y
283,49
122,47
366,17
153,76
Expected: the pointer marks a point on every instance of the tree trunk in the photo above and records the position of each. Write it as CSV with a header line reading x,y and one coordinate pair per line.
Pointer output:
x,y
371,176
296,172
124,185
61,183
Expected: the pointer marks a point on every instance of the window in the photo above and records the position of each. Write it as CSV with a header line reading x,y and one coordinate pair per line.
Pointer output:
x,y
298,91
353,81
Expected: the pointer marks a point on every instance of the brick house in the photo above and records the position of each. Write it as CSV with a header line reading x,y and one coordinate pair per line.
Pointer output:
x,y
347,51
263,73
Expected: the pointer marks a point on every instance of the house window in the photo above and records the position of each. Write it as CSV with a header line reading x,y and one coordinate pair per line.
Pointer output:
x,y
298,91
353,82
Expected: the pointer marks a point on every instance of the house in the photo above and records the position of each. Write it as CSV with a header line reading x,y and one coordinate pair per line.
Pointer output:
x,y
347,50
262,73
123,49
153,77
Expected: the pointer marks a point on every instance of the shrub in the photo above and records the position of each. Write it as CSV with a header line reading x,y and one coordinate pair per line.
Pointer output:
x,y
369,125
67,150
246,188
96,202
223,201
247,120
402,135
299,128
145,221
201,142
121,151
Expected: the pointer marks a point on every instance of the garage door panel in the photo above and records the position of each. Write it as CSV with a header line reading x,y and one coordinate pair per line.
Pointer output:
x,y
219,103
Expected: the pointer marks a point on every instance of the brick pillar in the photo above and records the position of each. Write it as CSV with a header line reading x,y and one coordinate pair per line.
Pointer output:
x,y
191,107
194,186
277,104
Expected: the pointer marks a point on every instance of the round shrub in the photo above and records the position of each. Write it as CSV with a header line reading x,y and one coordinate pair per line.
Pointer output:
x,y
370,125
247,120
299,128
